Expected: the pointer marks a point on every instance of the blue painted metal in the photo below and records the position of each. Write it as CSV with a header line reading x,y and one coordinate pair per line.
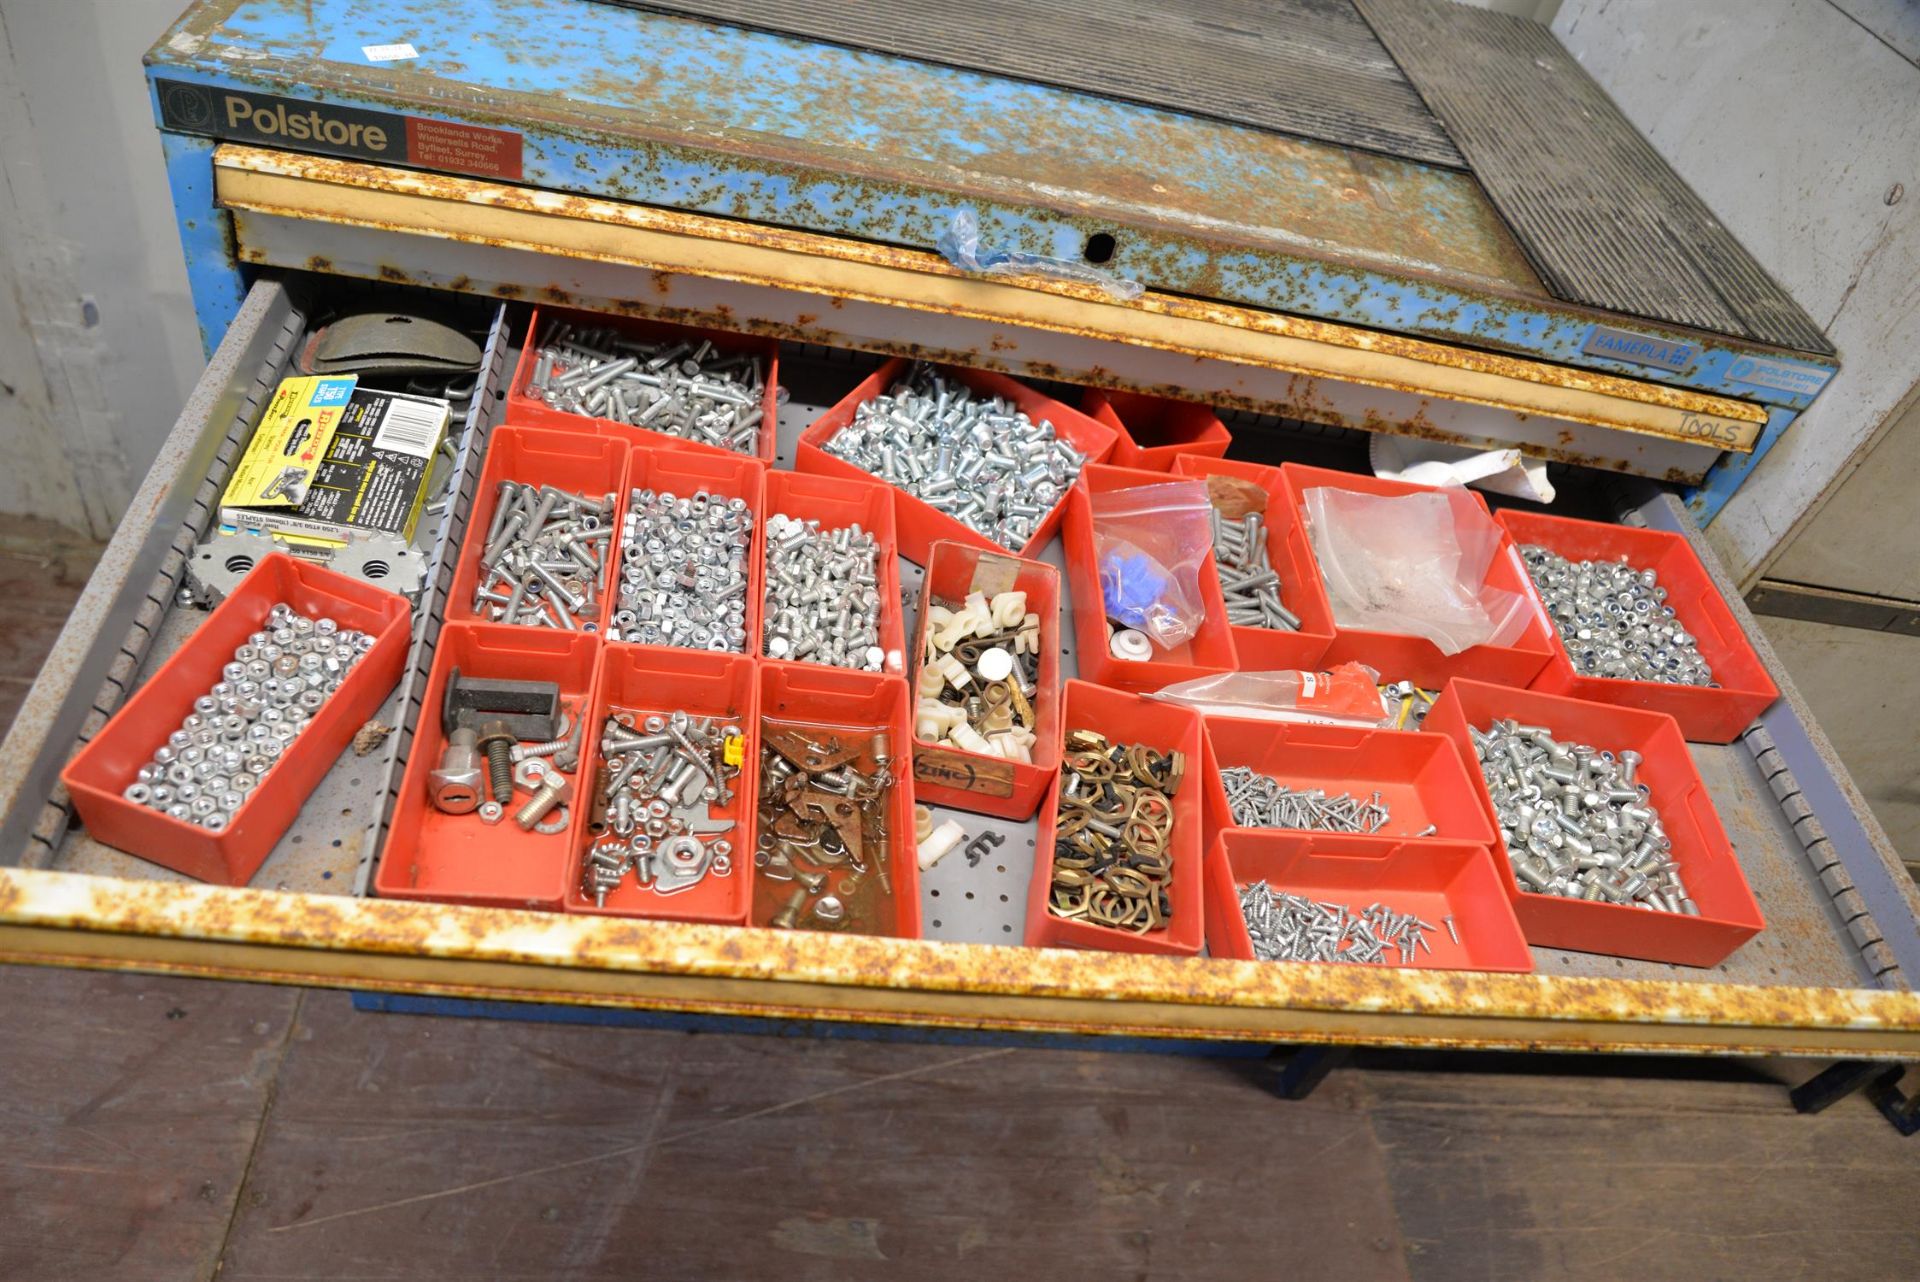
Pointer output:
x,y
216,280
1726,476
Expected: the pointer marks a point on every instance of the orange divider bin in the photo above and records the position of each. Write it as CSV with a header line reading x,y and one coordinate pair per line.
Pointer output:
x,y
1434,880
525,407
1301,591
100,772
1156,430
683,474
921,523
653,679
1705,714
1164,727
1420,777
1398,655
457,859
836,699
979,782
837,503
570,461
1728,914
1209,651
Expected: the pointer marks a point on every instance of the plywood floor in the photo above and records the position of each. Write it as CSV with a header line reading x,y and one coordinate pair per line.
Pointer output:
x,y
182,1129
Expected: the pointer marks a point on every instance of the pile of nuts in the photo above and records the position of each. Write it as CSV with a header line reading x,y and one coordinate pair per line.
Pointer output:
x,y
1261,801
683,571
544,560
1112,847
823,594
982,462
979,671
1576,822
680,387
1615,621
659,779
1287,927
278,679
1248,580
823,827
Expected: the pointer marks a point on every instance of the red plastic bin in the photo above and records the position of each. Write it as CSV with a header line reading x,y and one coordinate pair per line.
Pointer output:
x,y
921,523
1156,430
838,502
571,461
1420,777
648,679
979,782
1266,649
683,473
100,772
1128,719
837,698
1210,651
457,859
1432,879
1705,714
1398,655
524,408
1728,914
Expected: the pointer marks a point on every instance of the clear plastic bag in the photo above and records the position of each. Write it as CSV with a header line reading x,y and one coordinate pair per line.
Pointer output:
x,y
1151,542
1348,695
1414,563
959,244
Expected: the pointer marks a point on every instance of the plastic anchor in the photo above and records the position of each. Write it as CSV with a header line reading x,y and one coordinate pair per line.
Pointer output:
x,y
1302,1069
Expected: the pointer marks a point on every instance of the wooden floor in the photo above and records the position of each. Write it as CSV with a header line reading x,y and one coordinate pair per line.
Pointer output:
x,y
182,1129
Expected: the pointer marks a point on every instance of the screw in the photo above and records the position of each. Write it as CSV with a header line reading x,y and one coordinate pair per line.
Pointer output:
x,y
497,742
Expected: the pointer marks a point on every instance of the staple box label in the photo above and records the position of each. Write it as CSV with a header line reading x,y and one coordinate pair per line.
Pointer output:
x,y
288,446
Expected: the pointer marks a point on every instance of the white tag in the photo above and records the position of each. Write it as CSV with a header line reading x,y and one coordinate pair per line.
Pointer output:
x,y
1307,685
389,53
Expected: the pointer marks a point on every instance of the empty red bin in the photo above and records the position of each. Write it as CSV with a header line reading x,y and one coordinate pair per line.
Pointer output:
x,y
1126,719
101,772
1398,655
1154,431
1705,714
683,474
1209,651
1728,914
1442,882
526,407
651,679
921,523
458,859
840,503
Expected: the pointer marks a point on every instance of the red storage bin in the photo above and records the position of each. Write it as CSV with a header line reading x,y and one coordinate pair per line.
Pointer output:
x,y
570,461
1705,714
1301,591
838,502
648,679
1211,650
457,859
683,473
1728,914
838,699
921,523
526,409
100,772
979,782
1155,430
1398,655
1432,879
1128,719
1420,777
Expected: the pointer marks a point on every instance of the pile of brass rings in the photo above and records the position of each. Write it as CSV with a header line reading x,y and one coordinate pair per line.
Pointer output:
x,y
1112,856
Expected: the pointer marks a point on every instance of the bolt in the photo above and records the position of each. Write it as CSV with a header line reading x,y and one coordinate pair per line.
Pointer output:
x,y
497,742
555,789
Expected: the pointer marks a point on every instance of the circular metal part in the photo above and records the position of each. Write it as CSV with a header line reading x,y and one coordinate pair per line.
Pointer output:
x,y
556,821
491,812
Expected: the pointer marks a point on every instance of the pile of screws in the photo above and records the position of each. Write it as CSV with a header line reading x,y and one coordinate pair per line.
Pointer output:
x,y
544,559
823,594
1576,822
823,827
1248,580
659,778
1286,927
683,571
1615,621
1112,846
982,462
1261,801
682,388
278,679
979,671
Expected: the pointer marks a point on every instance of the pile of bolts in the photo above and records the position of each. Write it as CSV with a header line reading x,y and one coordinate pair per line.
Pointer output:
x,y
659,779
823,594
680,387
544,561
1288,927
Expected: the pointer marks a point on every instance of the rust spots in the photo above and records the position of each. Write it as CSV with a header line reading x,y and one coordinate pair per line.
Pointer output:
x,y
394,274
319,263
461,284
508,291
804,319
554,294
1000,344
836,303
662,283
